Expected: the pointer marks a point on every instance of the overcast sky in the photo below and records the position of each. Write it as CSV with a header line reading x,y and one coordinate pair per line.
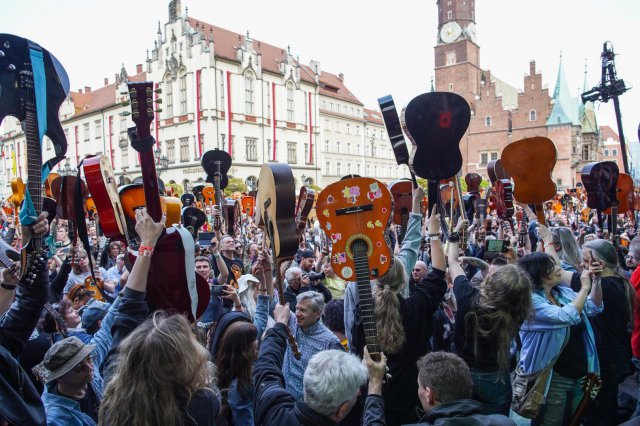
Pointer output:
x,y
381,47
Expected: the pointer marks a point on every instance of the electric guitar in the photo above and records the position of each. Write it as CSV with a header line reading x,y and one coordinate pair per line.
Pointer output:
x,y
33,85
396,137
355,214
276,195
172,281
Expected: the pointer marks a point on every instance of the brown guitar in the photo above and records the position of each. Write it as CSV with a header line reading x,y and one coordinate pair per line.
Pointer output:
x,y
355,214
306,201
276,196
624,194
591,385
530,162
402,193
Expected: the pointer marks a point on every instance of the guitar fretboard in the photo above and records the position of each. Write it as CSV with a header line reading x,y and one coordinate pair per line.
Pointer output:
x,y
361,266
34,166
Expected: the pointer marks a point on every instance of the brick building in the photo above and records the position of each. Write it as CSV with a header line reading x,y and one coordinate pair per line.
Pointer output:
x,y
502,113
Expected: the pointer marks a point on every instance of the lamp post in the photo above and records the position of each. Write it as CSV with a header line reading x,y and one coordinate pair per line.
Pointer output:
x,y
304,180
162,162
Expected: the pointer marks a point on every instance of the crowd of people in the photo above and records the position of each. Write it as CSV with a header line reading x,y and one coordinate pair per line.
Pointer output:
x,y
541,332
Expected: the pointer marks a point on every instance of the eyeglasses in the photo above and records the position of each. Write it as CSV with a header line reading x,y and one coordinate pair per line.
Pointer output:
x,y
295,279
88,361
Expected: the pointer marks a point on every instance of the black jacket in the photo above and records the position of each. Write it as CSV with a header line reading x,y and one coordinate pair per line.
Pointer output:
x,y
463,412
290,294
273,405
20,402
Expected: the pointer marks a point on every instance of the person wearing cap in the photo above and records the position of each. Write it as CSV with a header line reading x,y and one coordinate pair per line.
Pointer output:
x,y
20,403
94,313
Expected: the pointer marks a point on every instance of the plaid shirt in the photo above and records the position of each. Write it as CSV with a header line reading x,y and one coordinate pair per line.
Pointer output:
x,y
316,339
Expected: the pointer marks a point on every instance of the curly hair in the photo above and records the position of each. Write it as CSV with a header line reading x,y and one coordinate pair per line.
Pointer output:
x,y
496,314
159,367
391,335
236,356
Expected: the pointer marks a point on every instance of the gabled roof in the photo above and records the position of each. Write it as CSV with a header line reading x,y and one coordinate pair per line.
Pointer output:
x,y
508,93
331,85
373,116
566,108
607,132
86,103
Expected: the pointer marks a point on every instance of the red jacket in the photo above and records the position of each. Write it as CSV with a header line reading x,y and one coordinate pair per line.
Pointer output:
x,y
635,337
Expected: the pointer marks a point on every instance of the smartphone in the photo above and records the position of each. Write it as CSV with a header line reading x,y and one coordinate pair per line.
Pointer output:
x,y
495,245
217,290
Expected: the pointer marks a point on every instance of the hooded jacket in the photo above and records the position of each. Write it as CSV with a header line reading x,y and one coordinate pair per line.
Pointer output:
x,y
463,412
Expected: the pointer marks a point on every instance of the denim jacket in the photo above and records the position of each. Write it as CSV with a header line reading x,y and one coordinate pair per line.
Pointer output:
x,y
543,337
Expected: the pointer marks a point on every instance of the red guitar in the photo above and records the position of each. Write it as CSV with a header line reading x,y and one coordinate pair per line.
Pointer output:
x,y
402,192
172,281
104,191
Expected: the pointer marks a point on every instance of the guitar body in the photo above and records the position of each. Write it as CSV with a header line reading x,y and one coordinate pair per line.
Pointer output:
x,y
473,181
624,194
193,219
104,192
17,192
530,162
47,184
172,283
95,287
402,193
600,181
496,171
248,205
209,195
503,193
306,201
233,216
357,210
132,197
276,203
187,200
208,161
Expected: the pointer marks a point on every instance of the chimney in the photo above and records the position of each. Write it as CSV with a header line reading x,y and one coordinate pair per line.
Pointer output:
x,y
139,69
341,77
87,89
106,81
532,68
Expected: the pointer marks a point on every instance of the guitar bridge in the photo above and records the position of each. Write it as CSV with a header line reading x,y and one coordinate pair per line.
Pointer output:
x,y
354,209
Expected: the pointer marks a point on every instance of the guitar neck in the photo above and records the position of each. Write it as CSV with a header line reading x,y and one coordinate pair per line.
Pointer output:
x,y
150,185
34,167
362,271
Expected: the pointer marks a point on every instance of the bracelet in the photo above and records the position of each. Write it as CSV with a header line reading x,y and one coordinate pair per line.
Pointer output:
x,y
8,286
433,235
216,255
146,251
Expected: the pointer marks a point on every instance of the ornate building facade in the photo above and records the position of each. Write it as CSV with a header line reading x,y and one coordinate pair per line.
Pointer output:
x,y
224,90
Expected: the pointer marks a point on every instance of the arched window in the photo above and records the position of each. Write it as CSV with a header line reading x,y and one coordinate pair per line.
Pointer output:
x,y
248,93
533,116
168,90
487,120
290,102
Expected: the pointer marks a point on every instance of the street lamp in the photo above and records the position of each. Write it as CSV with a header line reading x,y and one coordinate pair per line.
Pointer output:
x,y
304,180
161,161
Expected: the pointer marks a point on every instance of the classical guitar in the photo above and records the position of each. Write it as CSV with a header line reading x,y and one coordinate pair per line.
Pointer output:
x,y
435,123
104,191
396,137
276,195
306,201
600,180
591,385
530,162
172,281
33,85
216,164
193,219
402,193
248,205
355,214
133,196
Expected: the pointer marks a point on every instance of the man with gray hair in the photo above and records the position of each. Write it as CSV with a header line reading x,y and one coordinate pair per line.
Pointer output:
x,y
312,337
298,281
332,382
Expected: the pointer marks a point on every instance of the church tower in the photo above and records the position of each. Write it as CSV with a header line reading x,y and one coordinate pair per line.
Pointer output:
x,y
457,56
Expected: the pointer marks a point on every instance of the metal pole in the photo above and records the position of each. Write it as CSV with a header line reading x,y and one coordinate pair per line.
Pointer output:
x,y
616,105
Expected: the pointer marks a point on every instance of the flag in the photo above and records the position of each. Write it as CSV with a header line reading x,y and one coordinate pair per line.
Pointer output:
x,y
14,163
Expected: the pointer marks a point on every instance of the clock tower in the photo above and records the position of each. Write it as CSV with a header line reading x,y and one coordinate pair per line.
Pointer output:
x,y
457,56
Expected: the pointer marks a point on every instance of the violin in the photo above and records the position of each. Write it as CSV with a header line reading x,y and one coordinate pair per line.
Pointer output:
x,y
533,184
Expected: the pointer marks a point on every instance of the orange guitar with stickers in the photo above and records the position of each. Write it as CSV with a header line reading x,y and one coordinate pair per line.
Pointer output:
x,y
355,214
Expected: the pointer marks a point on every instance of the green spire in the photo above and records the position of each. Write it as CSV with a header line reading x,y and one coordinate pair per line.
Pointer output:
x,y
566,108
587,113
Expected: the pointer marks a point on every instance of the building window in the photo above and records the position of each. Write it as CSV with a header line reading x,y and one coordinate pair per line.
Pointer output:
x,y
375,171
487,120
306,109
184,149
124,159
327,168
348,168
327,125
358,149
585,153
292,155
306,153
338,146
183,94
98,129
269,153
451,58
268,102
533,116
323,104
615,152
221,107
290,102
373,150
348,128
357,130
559,182
358,168
484,158
171,151
494,156
248,93
169,103
338,169
337,126
451,87
449,14
201,147
199,89
252,149
86,132
348,147
606,152
232,146
368,170
326,145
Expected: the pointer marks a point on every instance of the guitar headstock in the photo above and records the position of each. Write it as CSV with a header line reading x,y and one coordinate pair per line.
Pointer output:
x,y
16,76
143,110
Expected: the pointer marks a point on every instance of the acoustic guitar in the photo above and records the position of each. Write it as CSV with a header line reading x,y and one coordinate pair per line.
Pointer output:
x,y
276,195
172,281
600,181
248,205
193,219
306,201
624,194
355,214
33,85
530,162
104,190
216,164
402,193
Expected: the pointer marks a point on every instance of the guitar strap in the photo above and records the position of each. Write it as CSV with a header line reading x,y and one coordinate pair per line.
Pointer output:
x,y
189,261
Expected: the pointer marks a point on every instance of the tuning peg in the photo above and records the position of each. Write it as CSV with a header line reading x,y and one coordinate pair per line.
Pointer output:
x,y
125,103
158,90
158,101
125,113
124,93
159,110
11,67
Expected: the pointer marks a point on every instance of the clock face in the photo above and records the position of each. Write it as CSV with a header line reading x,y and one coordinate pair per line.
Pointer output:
x,y
450,32
471,31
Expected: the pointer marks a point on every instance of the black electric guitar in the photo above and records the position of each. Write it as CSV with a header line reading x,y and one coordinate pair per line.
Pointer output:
x,y
396,137
33,85
277,198
435,123
216,164
600,180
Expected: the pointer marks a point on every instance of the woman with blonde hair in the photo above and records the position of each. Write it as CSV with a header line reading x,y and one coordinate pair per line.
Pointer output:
x,y
404,325
160,374
567,249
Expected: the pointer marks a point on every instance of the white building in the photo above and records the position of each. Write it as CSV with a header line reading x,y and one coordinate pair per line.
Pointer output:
x,y
228,91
